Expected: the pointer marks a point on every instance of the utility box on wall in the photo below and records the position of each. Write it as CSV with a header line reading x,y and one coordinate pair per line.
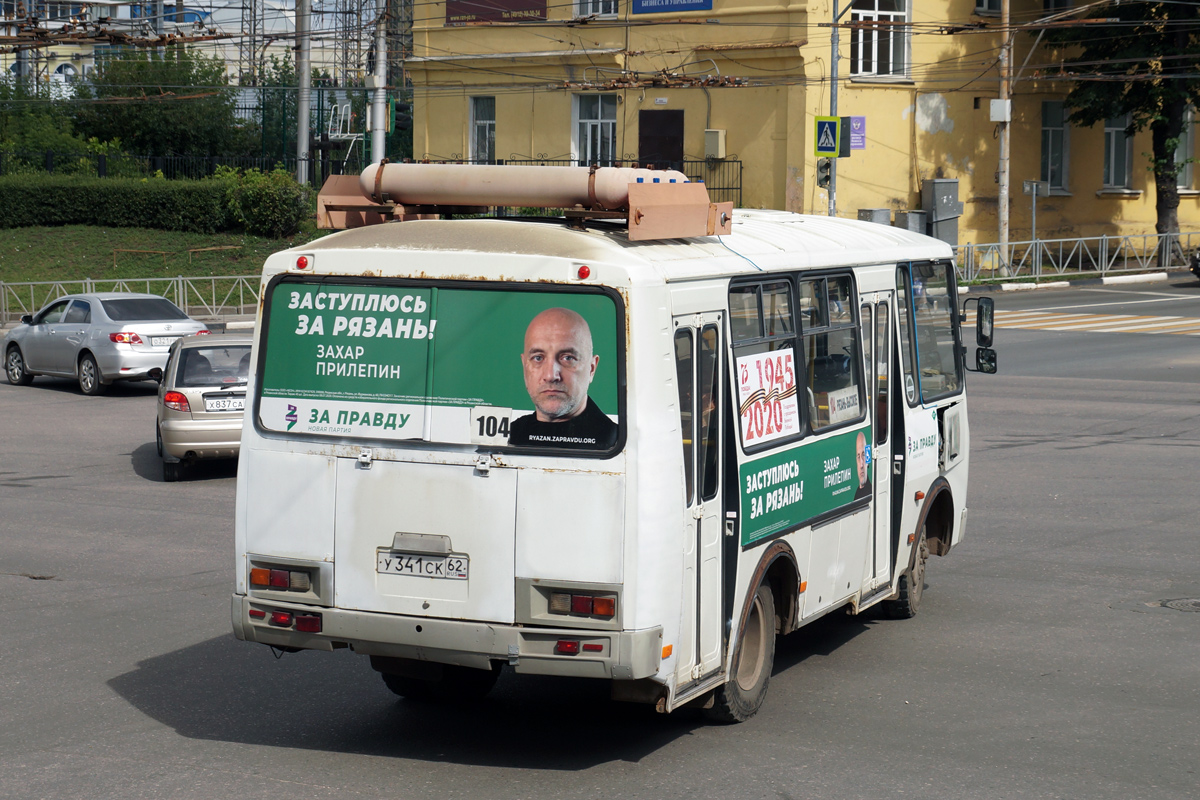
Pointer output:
x,y
714,143
939,197
880,216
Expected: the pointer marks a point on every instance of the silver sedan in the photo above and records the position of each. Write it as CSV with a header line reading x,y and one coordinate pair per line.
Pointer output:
x,y
97,339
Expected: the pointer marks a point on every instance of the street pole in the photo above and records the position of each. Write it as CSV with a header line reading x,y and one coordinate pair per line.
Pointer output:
x,y
1006,101
304,93
834,41
379,102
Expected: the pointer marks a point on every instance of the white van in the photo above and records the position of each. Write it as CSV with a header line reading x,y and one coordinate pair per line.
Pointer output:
x,y
547,444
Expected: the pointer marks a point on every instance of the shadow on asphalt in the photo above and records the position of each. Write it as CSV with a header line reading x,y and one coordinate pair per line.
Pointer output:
x,y
71,386
147,465
231,691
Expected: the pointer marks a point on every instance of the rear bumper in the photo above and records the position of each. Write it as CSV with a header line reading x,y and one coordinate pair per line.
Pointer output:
x,y
204,438
127,363
624,655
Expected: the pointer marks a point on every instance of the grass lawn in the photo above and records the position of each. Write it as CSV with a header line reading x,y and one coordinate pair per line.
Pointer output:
x,y
74,252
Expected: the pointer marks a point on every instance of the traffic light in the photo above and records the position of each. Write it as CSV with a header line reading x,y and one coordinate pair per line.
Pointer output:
x,y
824,172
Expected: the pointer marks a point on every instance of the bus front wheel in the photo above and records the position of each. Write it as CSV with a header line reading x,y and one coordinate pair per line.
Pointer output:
x,y
741,697
911,586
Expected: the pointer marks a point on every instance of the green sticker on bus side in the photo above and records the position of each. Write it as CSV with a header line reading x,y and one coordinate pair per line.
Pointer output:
x,y
786,487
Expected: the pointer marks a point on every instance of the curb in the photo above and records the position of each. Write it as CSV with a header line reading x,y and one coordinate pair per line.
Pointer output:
x,y
1143,277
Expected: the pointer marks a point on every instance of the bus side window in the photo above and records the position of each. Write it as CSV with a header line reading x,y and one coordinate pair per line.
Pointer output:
x,y
831,353
684,371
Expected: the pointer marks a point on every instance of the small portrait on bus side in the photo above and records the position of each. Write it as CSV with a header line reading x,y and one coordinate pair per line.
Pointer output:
x,y
559,364
862,457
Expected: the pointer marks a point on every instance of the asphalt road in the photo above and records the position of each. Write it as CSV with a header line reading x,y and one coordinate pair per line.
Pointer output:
x,y
1042,665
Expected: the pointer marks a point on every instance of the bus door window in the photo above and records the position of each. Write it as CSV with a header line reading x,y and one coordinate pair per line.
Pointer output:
x,y
903,312
684,373
708,399
932,321
882,359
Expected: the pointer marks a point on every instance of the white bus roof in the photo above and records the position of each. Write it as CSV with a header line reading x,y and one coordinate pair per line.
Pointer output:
x,y
762,240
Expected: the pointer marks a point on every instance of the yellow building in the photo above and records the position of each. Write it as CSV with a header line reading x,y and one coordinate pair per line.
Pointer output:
x,y
642,81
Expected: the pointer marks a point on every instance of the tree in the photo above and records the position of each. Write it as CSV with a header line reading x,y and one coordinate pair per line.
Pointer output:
x,y
1144,61
173,101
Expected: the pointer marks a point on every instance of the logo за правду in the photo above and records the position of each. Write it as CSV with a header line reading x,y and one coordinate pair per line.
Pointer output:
x,y
291,417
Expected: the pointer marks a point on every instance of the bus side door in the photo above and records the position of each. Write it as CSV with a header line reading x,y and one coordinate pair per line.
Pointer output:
x,y
698,348
877,356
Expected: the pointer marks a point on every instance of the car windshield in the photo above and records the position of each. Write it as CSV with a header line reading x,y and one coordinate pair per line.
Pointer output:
x,y
136,309
214,366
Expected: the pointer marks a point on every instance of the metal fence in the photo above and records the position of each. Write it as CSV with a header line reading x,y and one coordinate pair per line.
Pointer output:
x,y
1058,258
127,165
209,297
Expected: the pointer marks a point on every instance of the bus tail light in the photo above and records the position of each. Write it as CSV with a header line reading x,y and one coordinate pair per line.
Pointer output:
x,y
281,619
293,580
567,647
308,623
583,605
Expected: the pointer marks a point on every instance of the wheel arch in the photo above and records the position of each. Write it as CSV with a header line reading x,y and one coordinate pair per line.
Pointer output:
x,y
937,517
778,568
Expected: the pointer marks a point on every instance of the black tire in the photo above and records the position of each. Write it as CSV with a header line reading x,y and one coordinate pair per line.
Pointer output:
x,y
14,367
740,698
457,684
89,376
173,471
911,586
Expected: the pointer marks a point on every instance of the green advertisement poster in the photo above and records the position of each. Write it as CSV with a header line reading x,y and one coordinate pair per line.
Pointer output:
x,y
433,363
784,488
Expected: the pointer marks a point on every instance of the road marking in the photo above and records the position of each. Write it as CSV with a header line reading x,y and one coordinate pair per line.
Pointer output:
x,y
1099,323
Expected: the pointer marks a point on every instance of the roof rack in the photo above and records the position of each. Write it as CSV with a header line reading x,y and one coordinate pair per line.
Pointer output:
x,y
656,204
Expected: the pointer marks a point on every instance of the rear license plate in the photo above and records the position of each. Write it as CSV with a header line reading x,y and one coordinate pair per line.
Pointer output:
x,y
231,403
422,565
162,341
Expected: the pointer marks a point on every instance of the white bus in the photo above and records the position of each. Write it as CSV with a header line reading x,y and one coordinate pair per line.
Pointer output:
x,y
548,444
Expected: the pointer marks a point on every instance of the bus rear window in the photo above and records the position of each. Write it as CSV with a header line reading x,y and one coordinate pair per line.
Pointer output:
x,y
445,364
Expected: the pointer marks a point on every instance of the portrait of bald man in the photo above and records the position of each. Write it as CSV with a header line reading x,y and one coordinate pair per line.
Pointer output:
x,y
559,366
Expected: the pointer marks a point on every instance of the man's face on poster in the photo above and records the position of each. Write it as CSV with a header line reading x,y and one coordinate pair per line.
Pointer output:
x,y
861,454
558,364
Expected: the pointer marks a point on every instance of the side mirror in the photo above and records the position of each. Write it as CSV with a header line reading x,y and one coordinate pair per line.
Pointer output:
x,y
985,360
985,315
27,319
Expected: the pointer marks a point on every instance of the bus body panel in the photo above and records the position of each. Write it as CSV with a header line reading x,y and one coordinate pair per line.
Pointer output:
x,y
531,524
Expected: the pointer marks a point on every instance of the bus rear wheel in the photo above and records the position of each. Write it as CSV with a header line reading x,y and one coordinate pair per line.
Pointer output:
x,y
740,698
911,586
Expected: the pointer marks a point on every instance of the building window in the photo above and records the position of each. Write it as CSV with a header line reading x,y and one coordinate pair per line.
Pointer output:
x,y
596,132
1054,144
483,130
597,8
1116,153
1186,150
880,47
988,6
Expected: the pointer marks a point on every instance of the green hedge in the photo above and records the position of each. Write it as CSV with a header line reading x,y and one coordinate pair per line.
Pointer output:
x,y
269,205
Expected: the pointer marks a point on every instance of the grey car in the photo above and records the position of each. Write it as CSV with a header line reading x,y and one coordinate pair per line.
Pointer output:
x,y
201,400
97,339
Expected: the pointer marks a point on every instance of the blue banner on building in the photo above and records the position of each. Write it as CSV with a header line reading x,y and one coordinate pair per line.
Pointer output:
x,y
666,6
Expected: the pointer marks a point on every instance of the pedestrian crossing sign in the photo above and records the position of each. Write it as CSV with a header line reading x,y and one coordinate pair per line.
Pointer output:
x,y
828,135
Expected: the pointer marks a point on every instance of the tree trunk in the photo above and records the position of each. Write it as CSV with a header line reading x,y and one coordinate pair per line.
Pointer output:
x,y
1164,134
